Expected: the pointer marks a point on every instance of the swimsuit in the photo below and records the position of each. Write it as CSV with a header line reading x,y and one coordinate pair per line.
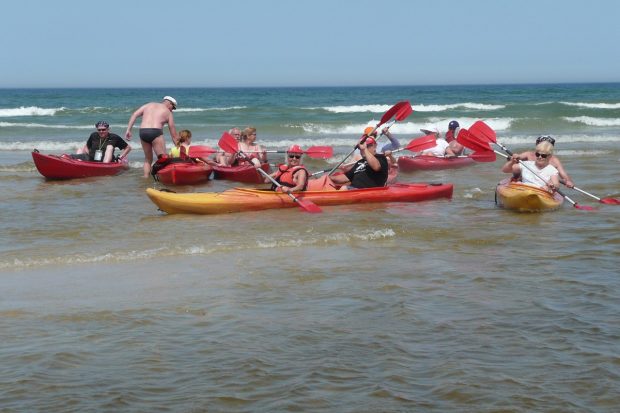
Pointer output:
x,y
148,135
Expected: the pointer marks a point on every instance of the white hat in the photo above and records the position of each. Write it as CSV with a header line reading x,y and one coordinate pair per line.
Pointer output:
x,y
171,100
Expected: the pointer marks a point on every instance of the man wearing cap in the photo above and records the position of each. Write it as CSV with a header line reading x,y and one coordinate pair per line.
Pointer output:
x,y
369,172
100,145
154,116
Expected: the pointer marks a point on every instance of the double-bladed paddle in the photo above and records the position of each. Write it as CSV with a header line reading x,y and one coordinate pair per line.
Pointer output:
x,y
483,136
200,151
317,152
416,145
608,201
230,145
403,109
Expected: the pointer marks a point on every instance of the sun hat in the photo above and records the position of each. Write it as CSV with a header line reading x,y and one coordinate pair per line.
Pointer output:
x,y
171,100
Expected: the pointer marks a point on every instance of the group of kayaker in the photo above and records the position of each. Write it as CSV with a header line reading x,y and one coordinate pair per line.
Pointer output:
x,y
538,168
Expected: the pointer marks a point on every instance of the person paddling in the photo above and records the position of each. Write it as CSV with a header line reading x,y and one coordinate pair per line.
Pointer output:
x,y
369,172
538,173
293,176
554,161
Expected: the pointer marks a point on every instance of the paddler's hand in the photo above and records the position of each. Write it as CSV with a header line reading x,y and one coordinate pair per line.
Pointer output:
x,y
256,163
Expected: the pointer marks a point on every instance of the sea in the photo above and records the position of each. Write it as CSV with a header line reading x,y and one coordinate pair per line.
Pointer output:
x,y
109,305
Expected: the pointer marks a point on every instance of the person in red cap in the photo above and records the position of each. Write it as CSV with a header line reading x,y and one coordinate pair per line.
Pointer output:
x,y
369,172
293,176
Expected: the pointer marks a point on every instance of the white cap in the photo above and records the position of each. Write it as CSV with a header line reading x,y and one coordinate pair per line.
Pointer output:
x,y
430,130
171,100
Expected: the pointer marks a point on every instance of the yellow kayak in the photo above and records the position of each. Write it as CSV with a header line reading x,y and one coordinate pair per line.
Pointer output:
x,y
245,199
525,198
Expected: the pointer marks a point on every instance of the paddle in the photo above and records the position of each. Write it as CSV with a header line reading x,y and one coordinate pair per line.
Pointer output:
x,y
608,201
485,135
401,114
317,152
419,144
397,108
229,144
199,151
416,145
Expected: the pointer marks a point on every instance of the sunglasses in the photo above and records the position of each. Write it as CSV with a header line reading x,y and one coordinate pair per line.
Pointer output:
x,y
542,155
294,156
545,139
101,130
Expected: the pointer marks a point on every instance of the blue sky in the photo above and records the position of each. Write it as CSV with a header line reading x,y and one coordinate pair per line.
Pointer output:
x,y
65,43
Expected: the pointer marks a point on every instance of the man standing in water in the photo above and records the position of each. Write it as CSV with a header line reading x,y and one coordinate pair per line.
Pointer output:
x,y
154,116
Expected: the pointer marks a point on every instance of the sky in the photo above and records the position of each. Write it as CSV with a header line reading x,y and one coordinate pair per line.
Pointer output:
x,y
238,43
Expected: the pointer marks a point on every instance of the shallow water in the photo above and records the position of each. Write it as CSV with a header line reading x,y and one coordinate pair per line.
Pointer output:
x,y
108,305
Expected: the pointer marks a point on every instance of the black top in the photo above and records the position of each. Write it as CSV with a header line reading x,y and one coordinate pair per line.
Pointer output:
x,y
362,175
95,143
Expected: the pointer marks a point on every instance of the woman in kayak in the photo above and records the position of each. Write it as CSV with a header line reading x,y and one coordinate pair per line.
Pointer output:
x,y
554,161
181,150
293,176
247,146
538,173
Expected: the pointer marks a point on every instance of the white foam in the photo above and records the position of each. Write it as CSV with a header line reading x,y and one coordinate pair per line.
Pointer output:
x,y
593,105
356,108
465,105
210,109
41,125
28,111
51,146
590,121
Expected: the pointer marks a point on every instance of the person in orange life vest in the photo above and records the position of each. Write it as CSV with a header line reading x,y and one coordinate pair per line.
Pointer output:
x,y
293,176
453,132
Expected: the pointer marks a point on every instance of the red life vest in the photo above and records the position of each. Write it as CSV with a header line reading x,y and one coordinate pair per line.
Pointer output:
x,y
285,175
450,136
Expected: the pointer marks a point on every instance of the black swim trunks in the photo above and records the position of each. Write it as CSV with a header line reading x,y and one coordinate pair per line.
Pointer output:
x,y
148,135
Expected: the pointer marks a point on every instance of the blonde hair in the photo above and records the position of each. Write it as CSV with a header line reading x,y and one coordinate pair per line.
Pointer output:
x,y
247,132
184,136
544,147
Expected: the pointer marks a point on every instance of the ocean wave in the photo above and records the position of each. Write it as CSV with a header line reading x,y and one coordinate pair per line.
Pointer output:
x,y
28,111
593,105
356,108
440,124
465,105
178,251
210,109
41,125
590,121
52,146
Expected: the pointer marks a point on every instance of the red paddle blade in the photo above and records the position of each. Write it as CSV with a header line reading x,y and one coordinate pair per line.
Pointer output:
x,y
472,141
228,143
487,156
483,131
393,111
199,151
419,144
609,201
583,207
320,152
404,111
307,205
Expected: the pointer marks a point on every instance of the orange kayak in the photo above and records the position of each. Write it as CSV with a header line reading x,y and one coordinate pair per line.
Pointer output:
x,y
525,198
184,173
65,167
245,199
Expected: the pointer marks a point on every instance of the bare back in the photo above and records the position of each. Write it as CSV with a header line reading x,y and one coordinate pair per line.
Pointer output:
x,y
155,115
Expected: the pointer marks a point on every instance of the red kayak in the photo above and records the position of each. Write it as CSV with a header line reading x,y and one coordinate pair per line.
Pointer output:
x,y
429,162
65,167
184,173
243,173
